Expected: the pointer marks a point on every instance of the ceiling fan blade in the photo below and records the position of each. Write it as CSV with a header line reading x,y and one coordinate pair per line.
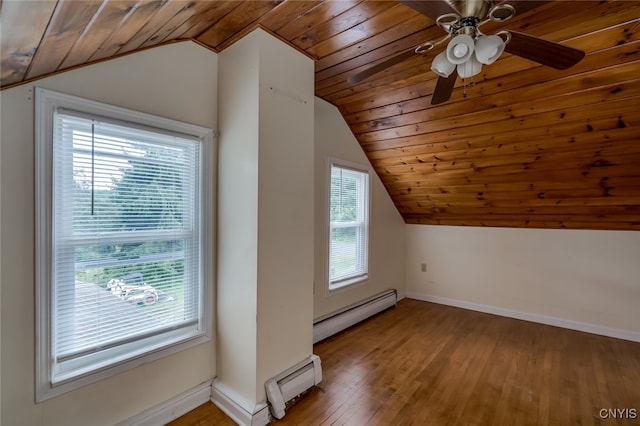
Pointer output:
x,y
545,52
523,6
444,88
432,9
357,78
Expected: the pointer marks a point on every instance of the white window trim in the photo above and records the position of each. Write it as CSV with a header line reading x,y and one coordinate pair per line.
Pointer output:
x,y
363,279
46,104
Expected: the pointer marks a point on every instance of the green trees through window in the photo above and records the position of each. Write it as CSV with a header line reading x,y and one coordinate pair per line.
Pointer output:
x,y
144,193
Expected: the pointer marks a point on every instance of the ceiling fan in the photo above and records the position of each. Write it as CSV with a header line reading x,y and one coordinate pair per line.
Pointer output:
x,y
468,48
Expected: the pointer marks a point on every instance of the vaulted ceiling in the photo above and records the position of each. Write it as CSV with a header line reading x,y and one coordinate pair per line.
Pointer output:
x,y
520,145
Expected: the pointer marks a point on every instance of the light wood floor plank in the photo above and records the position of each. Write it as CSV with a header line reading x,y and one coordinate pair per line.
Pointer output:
x,y
422,363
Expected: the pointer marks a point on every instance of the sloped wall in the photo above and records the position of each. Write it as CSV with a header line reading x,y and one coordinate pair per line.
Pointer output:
x,y
386,242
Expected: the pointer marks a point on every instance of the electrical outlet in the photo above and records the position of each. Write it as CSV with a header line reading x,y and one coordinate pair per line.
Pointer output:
x,y
423,267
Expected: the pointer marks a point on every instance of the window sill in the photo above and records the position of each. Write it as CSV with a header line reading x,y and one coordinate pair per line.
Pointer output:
x,y
348,283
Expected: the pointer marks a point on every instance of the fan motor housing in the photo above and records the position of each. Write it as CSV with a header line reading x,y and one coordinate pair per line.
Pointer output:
x,y
469,8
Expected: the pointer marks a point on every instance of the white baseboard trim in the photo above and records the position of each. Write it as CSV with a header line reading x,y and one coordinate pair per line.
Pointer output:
x,y
235,407
633,336
173,408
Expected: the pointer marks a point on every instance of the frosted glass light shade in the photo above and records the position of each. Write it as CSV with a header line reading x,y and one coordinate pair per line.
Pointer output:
x,y
442,66
469,68
489,48
460,49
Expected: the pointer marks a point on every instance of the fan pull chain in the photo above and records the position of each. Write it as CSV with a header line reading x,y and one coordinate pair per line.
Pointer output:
x,y
464,86
93,169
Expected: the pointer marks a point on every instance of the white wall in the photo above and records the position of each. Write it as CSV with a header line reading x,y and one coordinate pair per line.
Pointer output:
x,y
580,277
176,81
265,261
1,381
286,209
238,153
333,138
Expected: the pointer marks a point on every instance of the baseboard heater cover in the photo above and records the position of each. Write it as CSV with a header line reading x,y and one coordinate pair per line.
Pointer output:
x,y
291,383
336,322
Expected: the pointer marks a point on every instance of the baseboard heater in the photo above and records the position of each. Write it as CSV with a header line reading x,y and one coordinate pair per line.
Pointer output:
x,y
337,321
291,383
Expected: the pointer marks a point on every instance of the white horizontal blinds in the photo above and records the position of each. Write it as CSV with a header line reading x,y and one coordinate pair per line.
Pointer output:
x,y
348,225
126,238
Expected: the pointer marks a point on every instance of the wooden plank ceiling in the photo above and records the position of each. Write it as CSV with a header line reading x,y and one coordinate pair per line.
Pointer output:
x,y
521,145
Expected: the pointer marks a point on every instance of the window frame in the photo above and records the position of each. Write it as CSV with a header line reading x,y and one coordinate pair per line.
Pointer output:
x,y
362,277
47,102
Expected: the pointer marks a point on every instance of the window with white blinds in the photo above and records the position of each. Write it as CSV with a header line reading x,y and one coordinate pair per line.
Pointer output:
x,y
348,225
126,274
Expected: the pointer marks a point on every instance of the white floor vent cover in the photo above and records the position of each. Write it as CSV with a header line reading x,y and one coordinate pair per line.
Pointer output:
x,y
291,383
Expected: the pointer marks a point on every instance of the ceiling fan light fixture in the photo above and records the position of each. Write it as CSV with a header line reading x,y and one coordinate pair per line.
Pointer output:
x,y
489,48
469,68
442,66
469,48
460,49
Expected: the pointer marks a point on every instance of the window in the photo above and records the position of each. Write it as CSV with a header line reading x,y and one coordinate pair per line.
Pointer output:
x,y
123,239
348,225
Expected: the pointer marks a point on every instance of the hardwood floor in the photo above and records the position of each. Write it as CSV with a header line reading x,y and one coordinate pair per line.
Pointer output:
x,y
427,364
